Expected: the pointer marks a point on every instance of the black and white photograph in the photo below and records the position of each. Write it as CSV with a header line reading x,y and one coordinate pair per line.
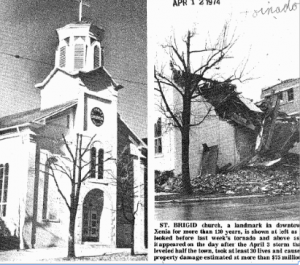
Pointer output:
x,y
226,106
151,131
73,129
227,102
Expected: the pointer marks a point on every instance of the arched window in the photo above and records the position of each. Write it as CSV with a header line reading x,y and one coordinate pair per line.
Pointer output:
x,y
50,196
93,163
96,163
78,56
100,163
62,57
96,57
3,188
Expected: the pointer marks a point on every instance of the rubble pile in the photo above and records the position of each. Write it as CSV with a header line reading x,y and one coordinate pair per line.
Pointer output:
x,y
250,181
280,180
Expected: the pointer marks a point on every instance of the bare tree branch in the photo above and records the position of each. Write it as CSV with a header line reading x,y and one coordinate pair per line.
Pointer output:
x,y
58,188
69,150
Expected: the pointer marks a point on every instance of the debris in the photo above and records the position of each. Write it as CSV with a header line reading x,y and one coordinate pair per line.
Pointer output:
x,y
266,163
274,180
230,192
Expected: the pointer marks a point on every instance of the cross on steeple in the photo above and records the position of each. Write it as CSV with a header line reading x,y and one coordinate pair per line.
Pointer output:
x,y
81,4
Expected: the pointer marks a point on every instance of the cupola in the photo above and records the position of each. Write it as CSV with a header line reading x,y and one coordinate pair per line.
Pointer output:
x,y
79,47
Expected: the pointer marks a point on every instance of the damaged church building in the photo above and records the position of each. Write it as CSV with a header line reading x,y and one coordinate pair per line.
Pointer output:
x,y
234,131
78,97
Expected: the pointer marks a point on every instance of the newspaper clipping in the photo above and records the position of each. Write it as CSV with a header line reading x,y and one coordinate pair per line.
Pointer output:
x,y
149,131
226,131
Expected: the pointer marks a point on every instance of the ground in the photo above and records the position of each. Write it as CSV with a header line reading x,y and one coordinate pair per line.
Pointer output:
x,y
233,208
250,193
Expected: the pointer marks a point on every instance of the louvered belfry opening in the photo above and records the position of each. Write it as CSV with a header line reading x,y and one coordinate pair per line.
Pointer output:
x,y
96,57
62,57
78,56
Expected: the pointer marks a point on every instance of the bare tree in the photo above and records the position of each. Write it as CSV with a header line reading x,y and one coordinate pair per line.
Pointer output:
x,y
77,169
130,191
193,72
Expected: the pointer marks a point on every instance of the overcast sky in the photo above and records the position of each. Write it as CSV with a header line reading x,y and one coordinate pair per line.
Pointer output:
x,y
27,28
271,42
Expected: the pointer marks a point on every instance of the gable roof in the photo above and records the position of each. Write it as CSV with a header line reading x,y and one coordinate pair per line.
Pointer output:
x,y
133,134
91,79
37,116
33,116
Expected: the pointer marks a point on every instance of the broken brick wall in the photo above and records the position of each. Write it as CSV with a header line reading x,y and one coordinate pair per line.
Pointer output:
x,y
245,142
213,131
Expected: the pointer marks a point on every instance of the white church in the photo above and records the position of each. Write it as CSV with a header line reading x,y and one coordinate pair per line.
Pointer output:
x,y
78,97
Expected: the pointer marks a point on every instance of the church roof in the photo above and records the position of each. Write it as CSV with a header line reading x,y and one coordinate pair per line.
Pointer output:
x,y
91,79
37,116
135,137
33,116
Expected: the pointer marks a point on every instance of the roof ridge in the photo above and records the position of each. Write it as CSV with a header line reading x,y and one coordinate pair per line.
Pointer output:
x,y
33,115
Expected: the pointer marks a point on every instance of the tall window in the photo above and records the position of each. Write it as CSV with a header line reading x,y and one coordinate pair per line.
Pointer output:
x,y
50,196
290,93
100,163
96,57
62,57
97,163
158,137
93,162
3,188
78,56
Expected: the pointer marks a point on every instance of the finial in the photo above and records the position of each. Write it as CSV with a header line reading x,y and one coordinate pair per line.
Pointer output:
x,y
82,3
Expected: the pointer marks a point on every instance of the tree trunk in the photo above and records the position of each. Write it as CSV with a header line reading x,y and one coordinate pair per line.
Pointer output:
x,y
71,242
185,135
132,237
185,159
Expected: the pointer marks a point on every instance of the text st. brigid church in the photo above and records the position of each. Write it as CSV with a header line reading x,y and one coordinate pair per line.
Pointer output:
x,y
78,97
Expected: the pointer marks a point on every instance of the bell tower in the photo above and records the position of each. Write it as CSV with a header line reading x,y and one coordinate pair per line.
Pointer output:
x,y
79,48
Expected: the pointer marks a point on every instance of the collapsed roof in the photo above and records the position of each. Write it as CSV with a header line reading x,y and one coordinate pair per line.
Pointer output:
x,y
232,106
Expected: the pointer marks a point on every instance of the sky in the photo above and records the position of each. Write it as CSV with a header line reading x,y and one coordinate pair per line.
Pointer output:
x,y
28,28
268,42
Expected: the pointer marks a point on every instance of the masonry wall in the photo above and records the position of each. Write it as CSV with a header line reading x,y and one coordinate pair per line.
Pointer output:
x,y
212,131
49,232
124,228
15,150
290,107
137,170
165,160
234,142
285,105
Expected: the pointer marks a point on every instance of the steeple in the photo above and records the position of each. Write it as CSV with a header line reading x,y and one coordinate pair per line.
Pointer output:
x,y
78,67
80,47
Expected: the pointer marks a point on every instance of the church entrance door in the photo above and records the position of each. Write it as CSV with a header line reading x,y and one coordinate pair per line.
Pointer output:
x,y
92,210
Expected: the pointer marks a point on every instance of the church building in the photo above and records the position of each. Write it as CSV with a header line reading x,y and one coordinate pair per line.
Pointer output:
x,y
78,97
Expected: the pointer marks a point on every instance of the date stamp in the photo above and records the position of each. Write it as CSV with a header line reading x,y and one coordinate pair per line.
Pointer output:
x,y
196,2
